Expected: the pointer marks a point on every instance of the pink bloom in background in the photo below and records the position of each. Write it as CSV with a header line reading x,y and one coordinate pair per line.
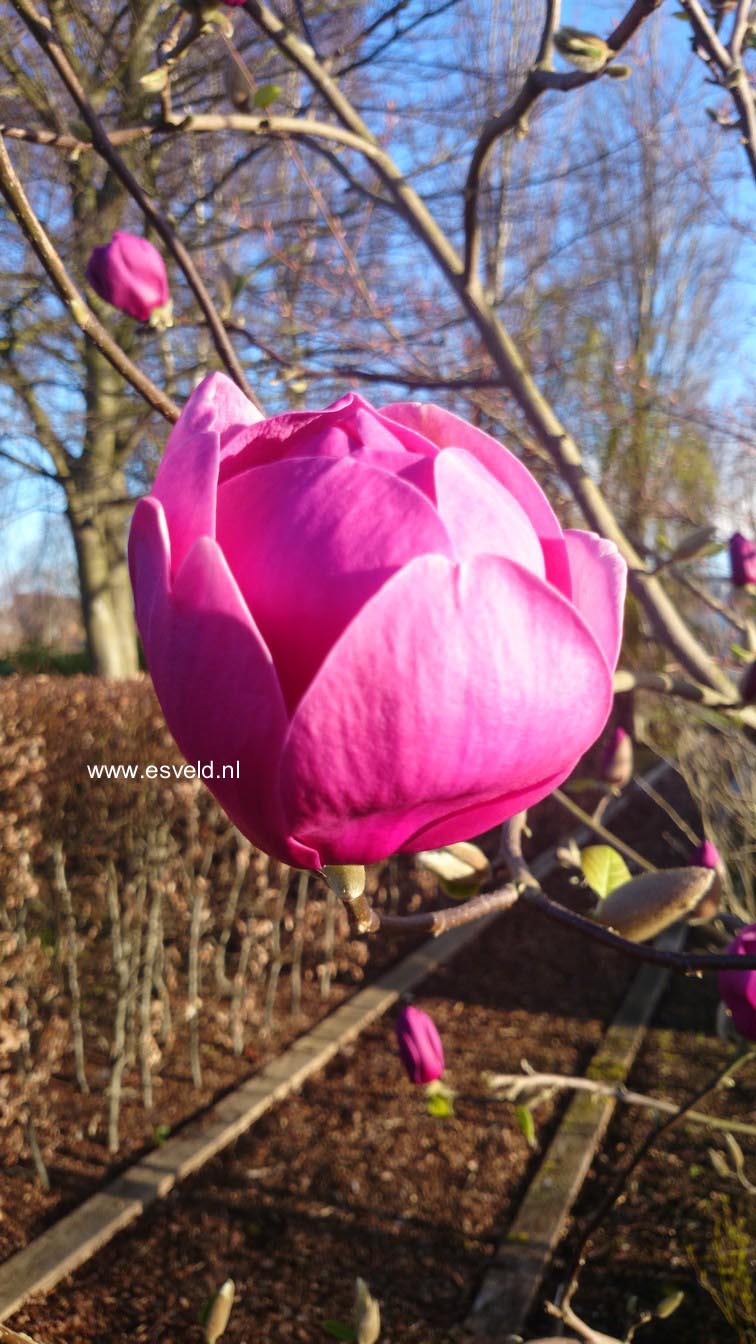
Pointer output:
x,y
129,273
617,762
738,988
706,855
742,560
419,1045
377,614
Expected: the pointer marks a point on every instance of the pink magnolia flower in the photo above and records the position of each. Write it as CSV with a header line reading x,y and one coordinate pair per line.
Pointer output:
x,y
617,762
742,560
129,273
377,614
419,1045
738,988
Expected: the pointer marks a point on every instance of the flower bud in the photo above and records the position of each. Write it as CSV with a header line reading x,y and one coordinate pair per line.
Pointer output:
x,y
706,855
742,560
617,762
738,988
587,51
129,273
419,1045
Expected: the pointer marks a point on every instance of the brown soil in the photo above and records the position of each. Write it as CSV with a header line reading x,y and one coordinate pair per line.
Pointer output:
x,y
354,1177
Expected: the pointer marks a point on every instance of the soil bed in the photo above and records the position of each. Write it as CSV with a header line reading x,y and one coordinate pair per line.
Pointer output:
x,y
354,1177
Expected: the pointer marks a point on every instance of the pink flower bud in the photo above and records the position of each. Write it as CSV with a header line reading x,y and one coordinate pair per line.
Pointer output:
x,y
129,273
706,855
617,762
738,988
742,560
419,1045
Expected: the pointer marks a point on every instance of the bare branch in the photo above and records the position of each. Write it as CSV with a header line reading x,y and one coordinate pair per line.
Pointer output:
x,y
44,35
12,190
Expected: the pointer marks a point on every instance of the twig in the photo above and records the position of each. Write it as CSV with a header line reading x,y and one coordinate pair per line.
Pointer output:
x,y
602,832
688,963
42,31
666,621
436,922
300,911
539,79
662,803
606,1205
118,1050
70,954
514,1084
727,65
666,684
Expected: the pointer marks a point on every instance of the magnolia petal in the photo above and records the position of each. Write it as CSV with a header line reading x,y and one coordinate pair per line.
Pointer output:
x,y
327,534
448,431
349,427
481,517
467,707
480,817
216,683
599,581
216,415
150,569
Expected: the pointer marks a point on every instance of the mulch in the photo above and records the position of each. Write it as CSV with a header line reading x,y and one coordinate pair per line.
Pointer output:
x,y
354,1177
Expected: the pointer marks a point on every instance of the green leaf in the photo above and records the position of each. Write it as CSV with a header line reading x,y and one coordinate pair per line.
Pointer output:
x,y
603,869
266,94
525,1120
440,1106
340,1330
669,1304
162,1133
740,652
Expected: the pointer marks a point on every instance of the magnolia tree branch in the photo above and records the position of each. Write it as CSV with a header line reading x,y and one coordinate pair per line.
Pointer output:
x,y
663,683
674,961
14,194
540,78
43,33
511,1086
564,1310
593,825
665,619
435,922
726,63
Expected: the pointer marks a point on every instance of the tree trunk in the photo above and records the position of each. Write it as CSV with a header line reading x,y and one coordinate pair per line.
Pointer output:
x,y
105,594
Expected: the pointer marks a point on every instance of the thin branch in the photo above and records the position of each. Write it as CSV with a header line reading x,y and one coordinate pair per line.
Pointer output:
x,y
665,619
729,70
664,683
608,1203
435,922
42,31
12,190
512,1085
688,963
539,79
601,831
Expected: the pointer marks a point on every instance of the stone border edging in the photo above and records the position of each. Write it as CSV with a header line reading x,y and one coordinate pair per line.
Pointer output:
x,y
510,1284
77,1236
